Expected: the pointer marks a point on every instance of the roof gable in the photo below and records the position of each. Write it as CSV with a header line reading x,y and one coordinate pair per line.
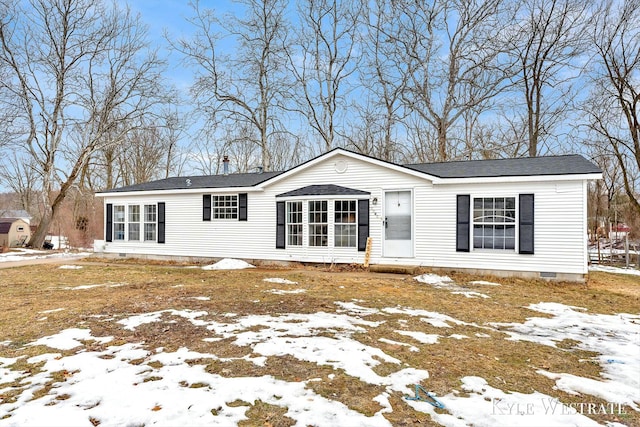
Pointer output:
x,y
341,151
324,190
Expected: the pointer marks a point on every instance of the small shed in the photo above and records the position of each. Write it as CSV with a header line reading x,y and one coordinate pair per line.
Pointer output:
x,y
14,232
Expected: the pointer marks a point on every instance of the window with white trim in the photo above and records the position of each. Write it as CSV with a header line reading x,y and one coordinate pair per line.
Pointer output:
x,y
294,223
134,222
494,223
224,207
345,229
318,223
118,222
150,218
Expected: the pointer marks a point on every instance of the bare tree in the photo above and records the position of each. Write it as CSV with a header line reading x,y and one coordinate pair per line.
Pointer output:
x,y
250,85
546,40
21,176
148,151
323,61
452,61
172,130
81,74
141,156
614,105
383,81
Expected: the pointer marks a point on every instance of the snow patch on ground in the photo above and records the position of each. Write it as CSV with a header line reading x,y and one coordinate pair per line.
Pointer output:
x,y
70,267
279,280
615,270
610,391
132,322
490,407
69,338
403,344
165,398
21,254
615,336
8,375
445,282
352,307
483,283
98,285
55,310
471,294
434,279
123,385
458,336
420,336
228,264
436,319
286,292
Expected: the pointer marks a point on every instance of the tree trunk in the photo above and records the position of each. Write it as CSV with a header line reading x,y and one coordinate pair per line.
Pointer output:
x,y
442,142
38,238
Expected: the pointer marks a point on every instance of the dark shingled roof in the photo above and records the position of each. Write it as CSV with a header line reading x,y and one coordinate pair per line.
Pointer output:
x,y
324,190
5,224
206,181
526,166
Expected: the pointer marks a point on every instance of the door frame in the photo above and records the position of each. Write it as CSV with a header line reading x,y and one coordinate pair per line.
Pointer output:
x,y
384,215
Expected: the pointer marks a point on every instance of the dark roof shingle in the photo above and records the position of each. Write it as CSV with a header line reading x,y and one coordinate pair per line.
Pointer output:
x,y
5,224
205,181
527,166
324,190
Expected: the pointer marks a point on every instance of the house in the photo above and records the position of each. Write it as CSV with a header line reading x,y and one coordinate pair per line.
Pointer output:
x,y
523,216
14,232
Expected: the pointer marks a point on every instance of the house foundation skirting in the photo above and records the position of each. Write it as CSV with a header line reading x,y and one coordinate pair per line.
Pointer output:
x,y
374,268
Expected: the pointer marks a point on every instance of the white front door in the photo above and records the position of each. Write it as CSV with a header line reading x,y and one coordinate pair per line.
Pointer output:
x,y
398,233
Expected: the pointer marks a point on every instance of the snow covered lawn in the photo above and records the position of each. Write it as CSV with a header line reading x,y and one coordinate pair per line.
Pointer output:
x,y
20,254
172,346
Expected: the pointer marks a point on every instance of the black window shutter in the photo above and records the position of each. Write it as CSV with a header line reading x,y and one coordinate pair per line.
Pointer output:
x,y
463,206
525,223
363,223
280,225
108,233
160,222
242,207
206,207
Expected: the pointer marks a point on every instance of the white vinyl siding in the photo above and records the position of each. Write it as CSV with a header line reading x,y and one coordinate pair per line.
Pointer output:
x,y
560,222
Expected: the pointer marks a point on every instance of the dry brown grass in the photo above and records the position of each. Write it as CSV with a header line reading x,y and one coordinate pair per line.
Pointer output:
x,y
129,288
